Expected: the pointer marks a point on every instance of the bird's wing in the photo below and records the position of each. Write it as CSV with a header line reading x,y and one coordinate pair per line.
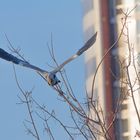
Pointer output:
x,y
87,45
6,56
28,65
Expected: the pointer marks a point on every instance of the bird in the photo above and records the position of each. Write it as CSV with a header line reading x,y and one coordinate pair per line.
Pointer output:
x,y
49,76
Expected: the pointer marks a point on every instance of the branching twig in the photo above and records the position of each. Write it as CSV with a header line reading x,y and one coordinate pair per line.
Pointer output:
x,y
27,101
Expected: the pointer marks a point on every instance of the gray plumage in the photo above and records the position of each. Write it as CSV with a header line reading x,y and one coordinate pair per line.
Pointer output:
x,y
9,57
49,76
87,45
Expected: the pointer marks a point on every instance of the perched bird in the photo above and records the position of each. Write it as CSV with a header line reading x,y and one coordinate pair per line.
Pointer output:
x,y
49,76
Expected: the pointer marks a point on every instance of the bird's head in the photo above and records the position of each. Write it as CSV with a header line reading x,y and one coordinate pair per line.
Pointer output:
x,y
52,79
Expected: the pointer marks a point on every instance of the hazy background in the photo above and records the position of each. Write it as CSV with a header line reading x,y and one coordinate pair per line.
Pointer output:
x,y
29,24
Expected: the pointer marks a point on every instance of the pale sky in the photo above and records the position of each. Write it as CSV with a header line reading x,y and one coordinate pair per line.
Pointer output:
x,y
29,24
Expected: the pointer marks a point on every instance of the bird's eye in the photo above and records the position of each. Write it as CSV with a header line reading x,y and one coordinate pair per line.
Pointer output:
x,y
54,76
